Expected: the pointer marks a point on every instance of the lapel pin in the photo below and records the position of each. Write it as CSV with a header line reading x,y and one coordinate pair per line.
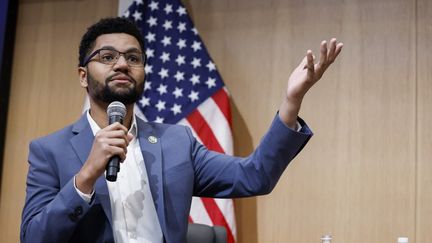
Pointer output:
x,y
152,139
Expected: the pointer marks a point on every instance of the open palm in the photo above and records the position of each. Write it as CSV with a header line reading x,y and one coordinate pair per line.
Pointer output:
x,y
308,73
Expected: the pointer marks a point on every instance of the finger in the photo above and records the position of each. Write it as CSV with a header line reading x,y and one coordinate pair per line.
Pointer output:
x,y
118,142
310,65
108,136
338,49
310,60
116,134
116,126
130,137
323,53
303,63
332,50
116,151
333,42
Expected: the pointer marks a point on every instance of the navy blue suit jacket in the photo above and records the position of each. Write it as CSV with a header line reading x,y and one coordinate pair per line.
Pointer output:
x,y
178,168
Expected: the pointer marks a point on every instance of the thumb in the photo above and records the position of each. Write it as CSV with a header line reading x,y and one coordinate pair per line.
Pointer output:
x,y
130,137
303,63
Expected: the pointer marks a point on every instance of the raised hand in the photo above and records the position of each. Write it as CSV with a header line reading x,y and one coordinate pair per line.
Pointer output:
x,y
304,77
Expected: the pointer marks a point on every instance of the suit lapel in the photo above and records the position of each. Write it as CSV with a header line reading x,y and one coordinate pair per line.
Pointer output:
x,y
150,143
83,139
82,143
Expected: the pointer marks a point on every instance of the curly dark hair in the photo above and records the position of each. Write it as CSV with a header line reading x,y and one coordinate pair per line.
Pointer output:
x,y
107,26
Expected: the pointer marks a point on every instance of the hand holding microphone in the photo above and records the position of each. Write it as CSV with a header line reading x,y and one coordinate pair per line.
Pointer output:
x,y
108,150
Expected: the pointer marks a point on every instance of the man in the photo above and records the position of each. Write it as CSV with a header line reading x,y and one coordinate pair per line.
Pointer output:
x,y
68,198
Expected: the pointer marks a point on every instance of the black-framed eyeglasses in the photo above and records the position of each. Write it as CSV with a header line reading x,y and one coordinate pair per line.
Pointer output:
x,y
111,56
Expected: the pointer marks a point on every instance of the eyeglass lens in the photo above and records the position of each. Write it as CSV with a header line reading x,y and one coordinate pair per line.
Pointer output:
x,y
112,56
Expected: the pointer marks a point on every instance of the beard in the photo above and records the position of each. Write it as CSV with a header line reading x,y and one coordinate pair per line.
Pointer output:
x,y
101,91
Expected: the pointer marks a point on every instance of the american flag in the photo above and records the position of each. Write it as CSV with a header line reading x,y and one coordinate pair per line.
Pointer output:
x,y
183,86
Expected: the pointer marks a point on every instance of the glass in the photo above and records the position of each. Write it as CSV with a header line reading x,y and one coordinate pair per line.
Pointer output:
x,y
111,56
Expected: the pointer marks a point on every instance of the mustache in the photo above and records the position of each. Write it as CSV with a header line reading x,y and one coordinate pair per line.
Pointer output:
x,y
120,75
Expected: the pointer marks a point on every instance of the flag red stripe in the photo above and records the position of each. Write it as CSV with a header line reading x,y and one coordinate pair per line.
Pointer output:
x,y
204,131
217,216
206,135
222,101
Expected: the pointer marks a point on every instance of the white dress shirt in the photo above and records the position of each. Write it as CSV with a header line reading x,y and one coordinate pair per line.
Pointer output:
x,y
133,211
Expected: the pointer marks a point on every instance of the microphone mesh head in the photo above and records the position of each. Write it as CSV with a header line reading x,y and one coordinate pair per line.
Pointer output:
x,y
116,108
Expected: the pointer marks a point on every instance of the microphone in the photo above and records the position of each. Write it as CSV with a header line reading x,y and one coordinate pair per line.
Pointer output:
x,y
116,112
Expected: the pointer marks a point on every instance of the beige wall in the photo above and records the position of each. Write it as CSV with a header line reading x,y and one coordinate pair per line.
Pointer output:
x,y
45,92
364,177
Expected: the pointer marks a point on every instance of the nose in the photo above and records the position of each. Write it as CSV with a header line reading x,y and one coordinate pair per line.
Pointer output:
x,y
121,63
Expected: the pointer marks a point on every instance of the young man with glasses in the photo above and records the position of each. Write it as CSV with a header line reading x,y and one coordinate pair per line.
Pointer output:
x,y
68,198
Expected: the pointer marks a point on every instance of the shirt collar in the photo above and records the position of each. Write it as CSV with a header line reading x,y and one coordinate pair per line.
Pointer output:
x,y
95,127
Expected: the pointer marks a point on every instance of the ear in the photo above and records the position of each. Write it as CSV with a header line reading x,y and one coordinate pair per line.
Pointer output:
x,y
82,73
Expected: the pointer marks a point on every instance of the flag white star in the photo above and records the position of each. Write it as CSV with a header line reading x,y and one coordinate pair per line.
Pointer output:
x,y
159,119
147,85
168,8
162,89
149,53
166,41
144,101
154,5
138,2
211,82
196,62
126,14
193,96
195,79
160,105
137,16
211,66
152,21
163,73
150,37
178,92
176,109
167,25
181,43
195,31
181,27
180,60
196,46
165,57
148,69
179,76
181,11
